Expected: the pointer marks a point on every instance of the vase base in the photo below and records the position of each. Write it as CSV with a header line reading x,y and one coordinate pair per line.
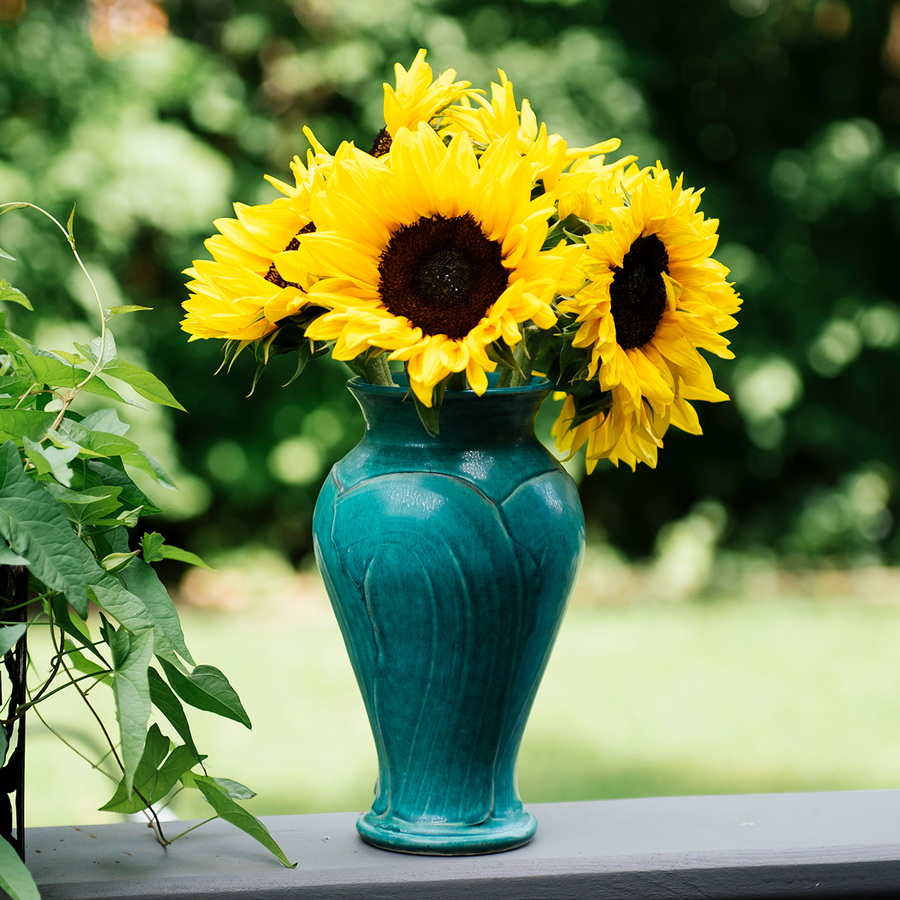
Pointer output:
x,y
437,839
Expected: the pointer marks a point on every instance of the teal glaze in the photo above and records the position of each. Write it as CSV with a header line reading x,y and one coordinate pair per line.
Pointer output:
x,y
449,562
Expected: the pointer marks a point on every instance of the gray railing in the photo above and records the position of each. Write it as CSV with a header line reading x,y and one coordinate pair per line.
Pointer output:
x,y
757,845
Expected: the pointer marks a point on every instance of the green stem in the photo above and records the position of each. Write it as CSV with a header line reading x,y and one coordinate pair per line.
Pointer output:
x,y
94,765
457,382
98,364
377,371
43,694
525,364
189,830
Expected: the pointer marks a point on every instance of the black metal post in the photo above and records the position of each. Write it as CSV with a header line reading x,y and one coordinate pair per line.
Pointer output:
x,y
13,608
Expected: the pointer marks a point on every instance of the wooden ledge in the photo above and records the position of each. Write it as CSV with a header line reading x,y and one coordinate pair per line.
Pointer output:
x,y
843,844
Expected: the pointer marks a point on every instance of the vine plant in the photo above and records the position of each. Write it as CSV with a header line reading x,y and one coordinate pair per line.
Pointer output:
x,y
68,510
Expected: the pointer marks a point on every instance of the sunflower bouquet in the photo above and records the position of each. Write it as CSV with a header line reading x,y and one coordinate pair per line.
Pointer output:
x,y
469,240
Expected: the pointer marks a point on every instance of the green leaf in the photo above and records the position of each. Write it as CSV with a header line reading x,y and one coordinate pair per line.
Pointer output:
x,y
53,371
86,666
104,348
151,546
97,443
14,387
113,473
231,351
129,610
184,556
208,689
164,699
5,255
106,421
156,748
9,294
8,558
15,878
90,505
9,636
260,368
76,359
304,355
235,789
503,354
36,527
93,350
115,562
115,541
111,311
144,583
51,460
132,693
73,626
49,369
153,778
429,416
99,387
145,462
144,382
69,231
239,817
128,517
104,444
31,423
80,498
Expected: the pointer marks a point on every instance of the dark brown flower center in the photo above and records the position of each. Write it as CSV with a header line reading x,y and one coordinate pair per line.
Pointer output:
x,y
273,274
638,292
441,274
382,143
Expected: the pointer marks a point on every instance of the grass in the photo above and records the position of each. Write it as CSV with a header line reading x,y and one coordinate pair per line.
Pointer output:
x,y
638,700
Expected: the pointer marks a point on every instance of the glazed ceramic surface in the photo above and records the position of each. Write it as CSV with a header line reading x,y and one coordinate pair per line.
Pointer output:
x,y
449,562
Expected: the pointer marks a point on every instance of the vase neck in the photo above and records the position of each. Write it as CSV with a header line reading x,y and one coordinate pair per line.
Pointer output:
x,y
500,415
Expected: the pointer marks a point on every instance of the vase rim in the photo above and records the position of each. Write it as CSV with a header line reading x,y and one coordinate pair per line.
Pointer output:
x,y
538,384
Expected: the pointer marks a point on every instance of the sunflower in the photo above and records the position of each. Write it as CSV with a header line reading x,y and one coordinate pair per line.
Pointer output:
x,y
491,120
240,294
417,98
578,190
431,254
609,435
654,297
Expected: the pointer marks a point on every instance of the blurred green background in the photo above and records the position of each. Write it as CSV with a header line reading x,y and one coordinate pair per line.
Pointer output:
x,y
154,115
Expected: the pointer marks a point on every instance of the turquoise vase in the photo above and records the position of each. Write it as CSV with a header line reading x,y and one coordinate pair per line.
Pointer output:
x,y
449,562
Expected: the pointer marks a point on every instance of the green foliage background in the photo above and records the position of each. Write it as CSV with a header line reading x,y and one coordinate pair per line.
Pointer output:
x,y
786,110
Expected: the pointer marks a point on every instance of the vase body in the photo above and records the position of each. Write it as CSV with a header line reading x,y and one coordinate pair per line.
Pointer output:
x,y
449,562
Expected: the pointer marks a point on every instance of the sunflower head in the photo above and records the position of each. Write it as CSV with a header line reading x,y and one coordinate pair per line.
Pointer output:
x,y
242,293
432,254
653,298
488,121
417,98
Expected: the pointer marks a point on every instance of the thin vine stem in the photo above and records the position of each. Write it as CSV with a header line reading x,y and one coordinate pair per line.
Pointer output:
x,y
31,701
189,830
149,811
42,695
98,364
94,765
94,712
